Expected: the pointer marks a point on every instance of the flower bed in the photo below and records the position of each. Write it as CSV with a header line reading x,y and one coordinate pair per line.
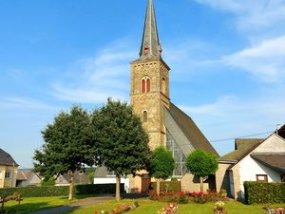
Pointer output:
x,y
184,198
119,209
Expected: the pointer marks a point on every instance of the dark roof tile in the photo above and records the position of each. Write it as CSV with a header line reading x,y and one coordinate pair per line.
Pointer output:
x,y
191,130
6,159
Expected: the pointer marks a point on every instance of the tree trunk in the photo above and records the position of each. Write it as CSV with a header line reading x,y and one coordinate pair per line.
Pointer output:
x,y
118,195
158,187
71,183
201,184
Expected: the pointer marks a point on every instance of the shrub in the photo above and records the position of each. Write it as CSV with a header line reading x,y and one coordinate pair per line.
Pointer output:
x,y
257,192
168,186
60,190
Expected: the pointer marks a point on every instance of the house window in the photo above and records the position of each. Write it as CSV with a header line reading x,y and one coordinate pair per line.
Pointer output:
x,y
145,116
283,178
262,178
7,174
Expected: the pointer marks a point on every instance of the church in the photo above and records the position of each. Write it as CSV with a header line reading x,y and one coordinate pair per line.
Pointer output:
x,y
165,123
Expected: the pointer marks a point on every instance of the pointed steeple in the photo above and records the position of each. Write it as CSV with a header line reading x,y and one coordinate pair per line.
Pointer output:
x,y
150,46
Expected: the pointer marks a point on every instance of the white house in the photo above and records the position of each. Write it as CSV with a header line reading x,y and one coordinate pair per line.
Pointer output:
x,y
261,160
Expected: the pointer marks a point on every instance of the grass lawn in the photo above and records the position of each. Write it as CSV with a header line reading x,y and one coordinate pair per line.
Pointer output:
x,y
146,206
36,203
151,207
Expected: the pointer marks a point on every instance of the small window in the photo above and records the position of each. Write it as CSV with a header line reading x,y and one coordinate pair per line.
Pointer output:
x,y
283,178
7,174
148,85
143,86
262,178
163,86
145,116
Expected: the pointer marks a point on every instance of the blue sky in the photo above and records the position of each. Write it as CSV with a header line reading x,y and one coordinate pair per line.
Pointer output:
x,y
227,61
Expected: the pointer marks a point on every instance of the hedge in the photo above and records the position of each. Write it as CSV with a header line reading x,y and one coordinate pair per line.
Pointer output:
x,y
61,190
257,192
168,186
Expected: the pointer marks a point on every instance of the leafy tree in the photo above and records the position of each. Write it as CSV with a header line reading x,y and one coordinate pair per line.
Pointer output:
x,y
67,147
202,164
162,165
122,141
48,181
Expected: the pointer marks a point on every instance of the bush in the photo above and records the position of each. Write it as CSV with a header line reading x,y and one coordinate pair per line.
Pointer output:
x,y
168,186
257,192
61,190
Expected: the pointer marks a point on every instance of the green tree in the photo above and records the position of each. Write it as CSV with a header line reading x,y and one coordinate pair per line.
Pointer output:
x,y
201,164
122,141
162,165
67,146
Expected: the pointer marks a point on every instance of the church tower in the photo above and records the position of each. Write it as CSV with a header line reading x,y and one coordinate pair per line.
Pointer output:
x,y
150,82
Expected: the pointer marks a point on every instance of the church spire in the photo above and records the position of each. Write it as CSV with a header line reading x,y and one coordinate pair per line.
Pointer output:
x,y
150,46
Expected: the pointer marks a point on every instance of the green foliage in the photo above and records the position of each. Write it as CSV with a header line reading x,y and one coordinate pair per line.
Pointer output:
x,y
90,172
48,181
122,141
168,186
67,144
201,163
60,190
162,163
258,192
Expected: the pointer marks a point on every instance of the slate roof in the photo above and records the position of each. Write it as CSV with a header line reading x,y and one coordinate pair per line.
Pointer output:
x,y
150,46
242,148
281,131
276,161
191,130
26,174
6,159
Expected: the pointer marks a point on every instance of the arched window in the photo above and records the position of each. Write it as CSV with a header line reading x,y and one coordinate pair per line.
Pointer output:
x,y
143,85
163,86
148,85
145,116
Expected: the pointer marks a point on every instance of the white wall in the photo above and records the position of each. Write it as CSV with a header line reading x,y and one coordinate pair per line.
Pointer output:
x,y
125,181
249,168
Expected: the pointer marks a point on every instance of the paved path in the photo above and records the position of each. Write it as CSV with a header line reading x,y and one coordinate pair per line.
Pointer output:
x,y
75,205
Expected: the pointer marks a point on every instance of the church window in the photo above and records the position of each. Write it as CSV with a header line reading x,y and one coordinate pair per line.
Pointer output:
x,y
143,85
148,85
163,86
177,154
145,116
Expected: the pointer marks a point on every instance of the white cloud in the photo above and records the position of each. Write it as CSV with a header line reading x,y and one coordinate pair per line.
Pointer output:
x,y
265,60
97,78
231,117
256,19
24,103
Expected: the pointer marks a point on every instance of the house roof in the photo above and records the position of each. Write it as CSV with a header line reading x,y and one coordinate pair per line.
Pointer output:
x,y
6,159
191,130
26,174
242,148
281,131
79,177
276,161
